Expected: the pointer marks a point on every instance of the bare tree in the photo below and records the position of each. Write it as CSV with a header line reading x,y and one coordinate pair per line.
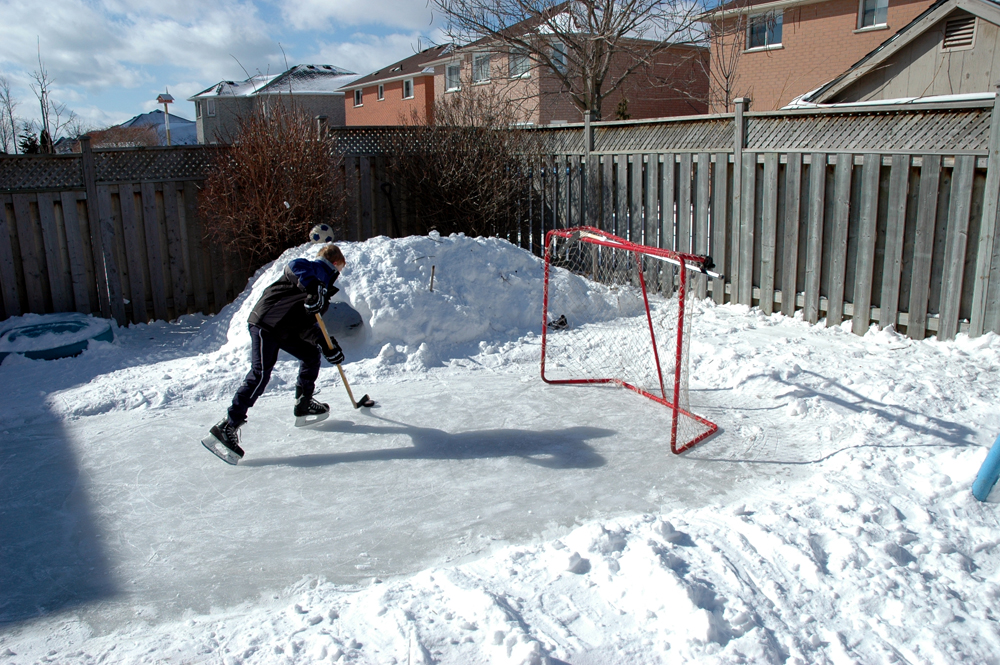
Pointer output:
x,y
54,116
8,119
591,47
728,37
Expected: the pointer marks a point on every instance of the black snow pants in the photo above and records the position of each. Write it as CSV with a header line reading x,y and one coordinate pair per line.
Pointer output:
x,y
264,349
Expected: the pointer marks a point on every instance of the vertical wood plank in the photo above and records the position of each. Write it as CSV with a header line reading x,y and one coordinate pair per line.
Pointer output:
x,y
790,255
95,222
867,220
814,237
955,246
892,267
75,249
8,273
720,223
134,252
668,194
196,247
701,239
575,181
175,248
838,249
684,200
981,316
365,197
635,201
58,273
154,251
923,244
768,231
106,231
651,233
621,194
746,231
31,263
593,191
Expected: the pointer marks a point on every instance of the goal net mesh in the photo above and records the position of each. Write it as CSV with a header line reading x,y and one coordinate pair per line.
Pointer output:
x,y
617,313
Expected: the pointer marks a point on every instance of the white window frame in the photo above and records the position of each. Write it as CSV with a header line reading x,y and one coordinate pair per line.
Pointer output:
x,y
407,82
359,98
559,56
521,57
477,68
197,109
881,7
210,107
447,77
381,93
775,18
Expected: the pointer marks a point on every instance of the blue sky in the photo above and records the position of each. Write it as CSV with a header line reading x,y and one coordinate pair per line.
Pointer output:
x,y
109,59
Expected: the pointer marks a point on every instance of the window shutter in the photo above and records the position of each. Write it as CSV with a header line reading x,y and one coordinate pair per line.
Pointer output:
x,y
958,32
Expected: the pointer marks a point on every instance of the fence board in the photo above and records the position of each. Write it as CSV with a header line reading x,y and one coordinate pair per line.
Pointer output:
x,y
154,250
134,252
684,202
790,255
365,196
574,180
838,249
621,197
108,259
892,266
31,259
867,220
593,190
768,231
79,276
923,244
814,235
668,194
746,230
720,223
8,271
652,207
701,240
175,248
196,247
635,200
955,245
607,221
52,242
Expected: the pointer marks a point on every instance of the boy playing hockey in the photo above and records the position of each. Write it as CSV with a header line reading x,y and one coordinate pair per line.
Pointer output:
x,y
285,319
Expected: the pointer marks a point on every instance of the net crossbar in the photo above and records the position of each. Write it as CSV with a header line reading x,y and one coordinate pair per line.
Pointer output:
x,y
616,312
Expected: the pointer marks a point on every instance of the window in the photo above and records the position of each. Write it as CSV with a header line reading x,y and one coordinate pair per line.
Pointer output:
x,y
518,62
559,56
408,89
453,77
764,31
210,104
481,67
959,33
873,13
357,97
381,92
197,109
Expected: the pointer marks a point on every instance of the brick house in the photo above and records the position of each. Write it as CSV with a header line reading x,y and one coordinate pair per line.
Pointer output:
x,y
778,50
312,88
401,93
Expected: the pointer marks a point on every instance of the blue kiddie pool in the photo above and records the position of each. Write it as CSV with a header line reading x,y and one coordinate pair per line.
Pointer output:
x,y
51,336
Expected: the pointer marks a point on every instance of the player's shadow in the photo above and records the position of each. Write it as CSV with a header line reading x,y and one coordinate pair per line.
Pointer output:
x,y
555,449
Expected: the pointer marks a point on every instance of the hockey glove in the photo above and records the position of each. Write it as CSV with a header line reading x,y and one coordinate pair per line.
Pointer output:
x,y
335,355
315,301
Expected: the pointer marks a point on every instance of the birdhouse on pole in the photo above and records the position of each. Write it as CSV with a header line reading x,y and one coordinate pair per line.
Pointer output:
x,y
165,99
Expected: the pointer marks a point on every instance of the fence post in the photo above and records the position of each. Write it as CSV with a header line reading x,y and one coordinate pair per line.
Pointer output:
x,y
320,127
742,104
979,322
591,175
102,237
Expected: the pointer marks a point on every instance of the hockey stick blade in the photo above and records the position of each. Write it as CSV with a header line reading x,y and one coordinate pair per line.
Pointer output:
x,y
364,401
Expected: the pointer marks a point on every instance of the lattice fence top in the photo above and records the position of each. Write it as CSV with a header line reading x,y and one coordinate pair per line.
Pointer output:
x,y
40,172
134,165
908,130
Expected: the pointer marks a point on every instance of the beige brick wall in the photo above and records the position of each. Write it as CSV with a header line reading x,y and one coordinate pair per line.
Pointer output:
x,y
819,42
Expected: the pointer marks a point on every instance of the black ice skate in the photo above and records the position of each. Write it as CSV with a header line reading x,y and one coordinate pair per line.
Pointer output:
x,y
307,410
224,442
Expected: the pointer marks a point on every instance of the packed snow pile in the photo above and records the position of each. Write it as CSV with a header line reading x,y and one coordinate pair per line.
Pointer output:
x,y
478,515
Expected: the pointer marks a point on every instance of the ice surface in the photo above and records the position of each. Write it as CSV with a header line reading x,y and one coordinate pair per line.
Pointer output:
x,y
477,515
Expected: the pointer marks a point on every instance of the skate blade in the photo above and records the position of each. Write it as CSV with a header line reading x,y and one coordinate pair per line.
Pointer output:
x,y
305,421
215,447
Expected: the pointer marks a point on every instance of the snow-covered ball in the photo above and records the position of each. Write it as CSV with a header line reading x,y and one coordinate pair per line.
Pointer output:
x,y
321,233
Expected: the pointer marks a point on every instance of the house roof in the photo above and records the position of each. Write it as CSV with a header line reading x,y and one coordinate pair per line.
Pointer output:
x,y
417,64
155,118
988,10
301,79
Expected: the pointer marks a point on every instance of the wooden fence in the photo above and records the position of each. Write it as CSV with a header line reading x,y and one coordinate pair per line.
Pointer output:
x,y
874,214
113,232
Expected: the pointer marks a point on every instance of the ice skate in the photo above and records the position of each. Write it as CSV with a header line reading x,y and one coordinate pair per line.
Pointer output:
x,y
307,410
223,441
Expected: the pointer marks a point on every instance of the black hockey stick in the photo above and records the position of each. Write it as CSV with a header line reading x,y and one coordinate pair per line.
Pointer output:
x,y
365,399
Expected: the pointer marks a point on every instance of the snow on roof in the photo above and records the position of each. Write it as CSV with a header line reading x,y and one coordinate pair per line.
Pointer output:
x,y
414,65
301,79
155,118
800,103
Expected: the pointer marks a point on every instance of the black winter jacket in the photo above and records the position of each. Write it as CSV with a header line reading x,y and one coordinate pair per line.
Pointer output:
x,y
281,308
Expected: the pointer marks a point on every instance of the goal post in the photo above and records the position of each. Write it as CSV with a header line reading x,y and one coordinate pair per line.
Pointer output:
x,y
616,312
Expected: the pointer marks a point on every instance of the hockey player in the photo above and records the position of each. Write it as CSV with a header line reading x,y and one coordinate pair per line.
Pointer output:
x,y
285,319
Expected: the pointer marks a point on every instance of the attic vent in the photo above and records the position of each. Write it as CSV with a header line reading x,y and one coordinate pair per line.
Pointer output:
x,y
959,32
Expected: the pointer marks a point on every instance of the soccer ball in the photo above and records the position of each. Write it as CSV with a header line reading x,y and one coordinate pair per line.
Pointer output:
x,y
321,233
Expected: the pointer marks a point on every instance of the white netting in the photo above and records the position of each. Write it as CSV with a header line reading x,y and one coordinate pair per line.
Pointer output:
x,y
598,328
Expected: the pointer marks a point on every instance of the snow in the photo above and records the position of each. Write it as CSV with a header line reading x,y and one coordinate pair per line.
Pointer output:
x,y
478,515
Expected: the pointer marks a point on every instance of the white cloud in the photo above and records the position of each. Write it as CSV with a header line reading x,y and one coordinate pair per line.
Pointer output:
x,y
310,14
365,54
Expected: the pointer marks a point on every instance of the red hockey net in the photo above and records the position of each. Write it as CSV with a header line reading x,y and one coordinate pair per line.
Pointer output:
x,y
616,312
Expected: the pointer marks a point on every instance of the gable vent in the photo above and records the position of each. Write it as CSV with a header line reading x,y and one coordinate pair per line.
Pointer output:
x,y
959,32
